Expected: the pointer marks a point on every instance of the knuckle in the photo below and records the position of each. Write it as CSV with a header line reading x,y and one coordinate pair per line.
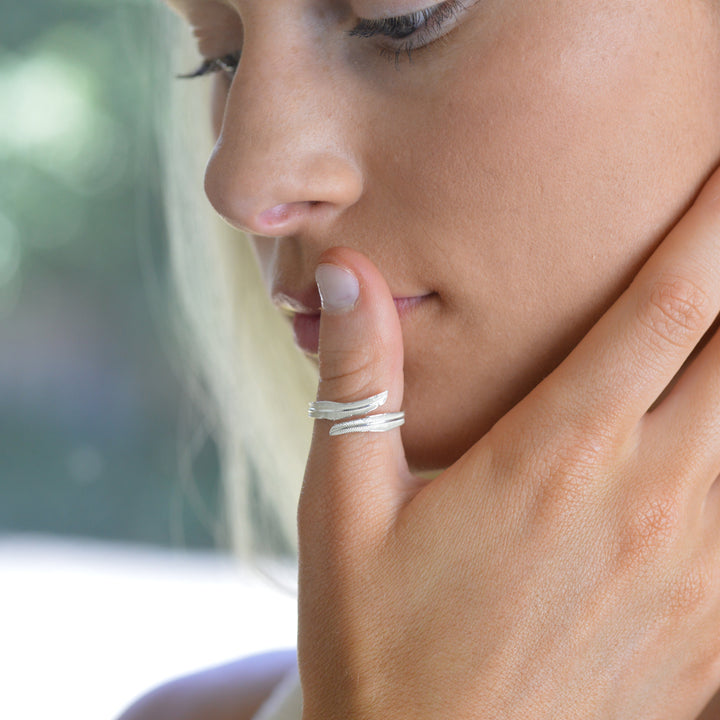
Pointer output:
x,y
578,449
652,527
347,372
566,473
675,310
564,458
690,589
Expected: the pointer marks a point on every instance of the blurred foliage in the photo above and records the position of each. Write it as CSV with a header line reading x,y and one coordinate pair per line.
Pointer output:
x,y
91,441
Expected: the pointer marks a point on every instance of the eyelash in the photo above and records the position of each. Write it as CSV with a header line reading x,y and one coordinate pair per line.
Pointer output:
x,y
422,25
227,64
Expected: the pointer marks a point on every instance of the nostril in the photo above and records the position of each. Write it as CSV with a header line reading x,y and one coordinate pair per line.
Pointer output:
x,y
276,215
281,215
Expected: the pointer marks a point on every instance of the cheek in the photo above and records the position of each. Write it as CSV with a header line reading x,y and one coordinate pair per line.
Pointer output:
x,y
572,152
566,163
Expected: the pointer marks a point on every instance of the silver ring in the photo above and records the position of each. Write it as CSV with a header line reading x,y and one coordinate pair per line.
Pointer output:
x,y
359,410
371,423
328,410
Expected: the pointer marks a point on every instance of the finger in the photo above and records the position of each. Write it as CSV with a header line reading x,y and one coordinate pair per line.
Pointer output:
x,y
630,356
357,478
682,433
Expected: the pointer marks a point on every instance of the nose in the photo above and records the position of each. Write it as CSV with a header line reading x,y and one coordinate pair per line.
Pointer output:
x,y
283,158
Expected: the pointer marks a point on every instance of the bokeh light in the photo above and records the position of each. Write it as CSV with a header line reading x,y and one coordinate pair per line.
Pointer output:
x,y
90,404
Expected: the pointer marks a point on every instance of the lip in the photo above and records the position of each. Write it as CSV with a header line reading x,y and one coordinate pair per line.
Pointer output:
x,y
306,322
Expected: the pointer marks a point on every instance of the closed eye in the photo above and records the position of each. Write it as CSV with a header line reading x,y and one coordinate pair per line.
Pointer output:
x,y
405,33
410,32
402,26
227,64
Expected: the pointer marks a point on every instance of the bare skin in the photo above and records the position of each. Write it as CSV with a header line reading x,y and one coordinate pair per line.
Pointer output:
x,y
510,183
516,174
561,568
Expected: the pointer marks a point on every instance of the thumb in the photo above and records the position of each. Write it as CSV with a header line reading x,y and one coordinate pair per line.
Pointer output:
x,y
364,474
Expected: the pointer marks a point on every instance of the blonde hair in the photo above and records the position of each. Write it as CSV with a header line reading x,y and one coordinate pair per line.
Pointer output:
x,y
242,366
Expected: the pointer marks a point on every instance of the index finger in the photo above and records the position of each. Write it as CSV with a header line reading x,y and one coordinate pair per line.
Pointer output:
x,y
633,352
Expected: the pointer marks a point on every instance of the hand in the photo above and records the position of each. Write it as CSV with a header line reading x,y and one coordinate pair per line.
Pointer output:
x,y
568,565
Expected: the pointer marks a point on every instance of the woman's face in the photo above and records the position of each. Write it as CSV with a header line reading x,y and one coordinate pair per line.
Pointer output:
x,y
509,180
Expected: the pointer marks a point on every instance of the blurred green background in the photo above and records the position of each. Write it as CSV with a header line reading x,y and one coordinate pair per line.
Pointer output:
x,y
97,437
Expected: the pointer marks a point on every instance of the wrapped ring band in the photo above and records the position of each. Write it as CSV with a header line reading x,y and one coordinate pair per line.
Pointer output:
x,y
371,423
329,410
359,410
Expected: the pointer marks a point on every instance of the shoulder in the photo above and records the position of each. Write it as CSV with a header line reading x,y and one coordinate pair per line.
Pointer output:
x,y
234,691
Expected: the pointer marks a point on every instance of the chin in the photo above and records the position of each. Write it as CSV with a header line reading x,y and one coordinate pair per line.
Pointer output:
x,y
440,427
433,445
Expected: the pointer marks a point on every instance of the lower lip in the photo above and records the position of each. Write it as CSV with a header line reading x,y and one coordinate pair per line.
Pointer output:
x,y
307,327
307,332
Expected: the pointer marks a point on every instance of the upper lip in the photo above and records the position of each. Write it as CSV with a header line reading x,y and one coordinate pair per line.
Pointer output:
x,y
305,302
